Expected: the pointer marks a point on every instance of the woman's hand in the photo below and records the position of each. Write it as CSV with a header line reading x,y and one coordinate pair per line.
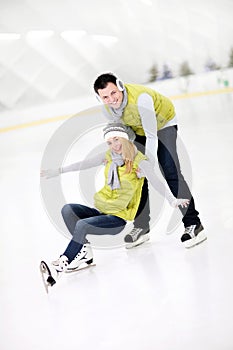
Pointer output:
x,y
48,173
139,173
180,202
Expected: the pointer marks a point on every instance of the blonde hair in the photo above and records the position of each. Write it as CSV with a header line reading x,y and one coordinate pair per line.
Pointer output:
x,y
129,151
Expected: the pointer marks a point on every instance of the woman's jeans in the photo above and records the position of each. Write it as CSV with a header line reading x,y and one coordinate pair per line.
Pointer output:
x,y
82,220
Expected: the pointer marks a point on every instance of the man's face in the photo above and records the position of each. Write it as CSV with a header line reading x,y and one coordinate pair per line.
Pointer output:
x,y
111,95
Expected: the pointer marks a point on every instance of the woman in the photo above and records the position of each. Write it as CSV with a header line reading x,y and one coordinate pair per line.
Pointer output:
x,y
115,204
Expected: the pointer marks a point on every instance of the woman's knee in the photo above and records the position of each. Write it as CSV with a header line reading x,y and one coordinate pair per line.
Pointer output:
x,y
81,230
66,210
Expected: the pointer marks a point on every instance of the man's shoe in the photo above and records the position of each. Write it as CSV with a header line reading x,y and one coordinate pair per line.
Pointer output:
x,y
136,237
193,235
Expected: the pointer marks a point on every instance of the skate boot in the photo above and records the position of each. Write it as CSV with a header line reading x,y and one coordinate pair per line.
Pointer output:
x,y
52,272
136,237
83,259
193,235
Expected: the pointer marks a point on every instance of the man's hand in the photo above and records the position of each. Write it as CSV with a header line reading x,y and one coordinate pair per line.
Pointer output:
x,y
180,202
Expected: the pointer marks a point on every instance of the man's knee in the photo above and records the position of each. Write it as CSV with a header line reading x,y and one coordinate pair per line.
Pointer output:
x,y
169,172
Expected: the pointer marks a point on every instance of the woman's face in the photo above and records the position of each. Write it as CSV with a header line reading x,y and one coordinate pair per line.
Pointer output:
x,y
115,144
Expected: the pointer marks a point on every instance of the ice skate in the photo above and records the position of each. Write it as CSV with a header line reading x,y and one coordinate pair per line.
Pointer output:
x,y
193,235
51,272
82,260
136,237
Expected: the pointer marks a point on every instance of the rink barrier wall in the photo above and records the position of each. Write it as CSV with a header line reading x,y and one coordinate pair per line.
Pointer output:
x,y
64,117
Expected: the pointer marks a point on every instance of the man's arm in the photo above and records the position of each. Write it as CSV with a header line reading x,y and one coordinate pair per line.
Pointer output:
x,y
161,187
149,124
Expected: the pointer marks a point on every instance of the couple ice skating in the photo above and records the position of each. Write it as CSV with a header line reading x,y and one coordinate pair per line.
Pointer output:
x,y
124,196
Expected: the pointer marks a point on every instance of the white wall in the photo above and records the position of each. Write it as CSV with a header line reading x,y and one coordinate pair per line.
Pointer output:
x,y
61,46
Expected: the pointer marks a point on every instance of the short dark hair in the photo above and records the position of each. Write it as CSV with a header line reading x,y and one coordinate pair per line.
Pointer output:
x,y
103,80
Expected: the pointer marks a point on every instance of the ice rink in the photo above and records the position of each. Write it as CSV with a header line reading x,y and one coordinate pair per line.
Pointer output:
x,y
157,296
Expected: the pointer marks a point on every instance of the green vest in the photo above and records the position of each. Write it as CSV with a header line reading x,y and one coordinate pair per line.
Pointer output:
x,y
164,108
124,201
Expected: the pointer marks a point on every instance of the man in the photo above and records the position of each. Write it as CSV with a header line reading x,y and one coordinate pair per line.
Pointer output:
x,y
152,117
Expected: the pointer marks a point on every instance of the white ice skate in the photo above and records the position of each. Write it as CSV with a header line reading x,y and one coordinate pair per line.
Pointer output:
x,y
51,272
82,260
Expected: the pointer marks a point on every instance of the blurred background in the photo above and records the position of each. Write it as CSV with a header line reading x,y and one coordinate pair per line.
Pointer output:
x,y
51,51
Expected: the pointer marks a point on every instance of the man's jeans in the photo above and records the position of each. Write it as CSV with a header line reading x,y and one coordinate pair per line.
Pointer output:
x,y
170,168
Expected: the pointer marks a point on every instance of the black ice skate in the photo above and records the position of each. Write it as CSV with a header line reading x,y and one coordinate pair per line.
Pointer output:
x,y
136,237
193,235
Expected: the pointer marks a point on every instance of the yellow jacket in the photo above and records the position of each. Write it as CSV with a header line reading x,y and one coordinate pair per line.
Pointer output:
x,y
164,108
122,202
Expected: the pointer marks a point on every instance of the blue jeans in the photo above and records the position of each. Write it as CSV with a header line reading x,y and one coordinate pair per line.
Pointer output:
x,y
170,167
82,220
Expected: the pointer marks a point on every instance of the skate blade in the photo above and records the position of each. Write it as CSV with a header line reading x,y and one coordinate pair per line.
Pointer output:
x,y
86,266
140,241
47,278
190,243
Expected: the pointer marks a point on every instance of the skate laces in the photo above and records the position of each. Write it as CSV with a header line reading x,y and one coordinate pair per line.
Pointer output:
x,y
82,251
135,232
190,230
61,263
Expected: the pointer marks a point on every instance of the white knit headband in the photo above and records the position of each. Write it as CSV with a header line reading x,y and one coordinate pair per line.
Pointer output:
x,y
115,133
